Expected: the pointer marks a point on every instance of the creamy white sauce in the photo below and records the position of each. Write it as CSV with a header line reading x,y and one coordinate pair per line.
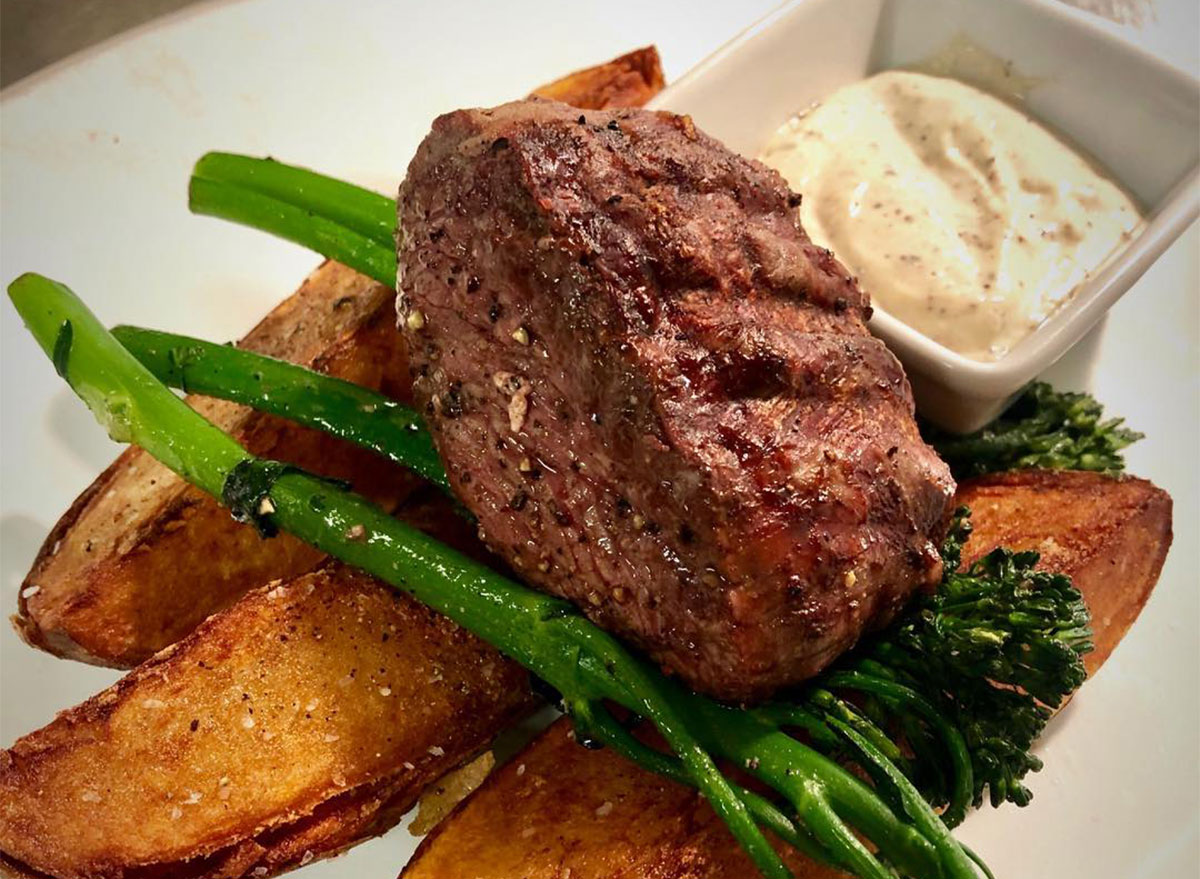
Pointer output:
x,y
961,216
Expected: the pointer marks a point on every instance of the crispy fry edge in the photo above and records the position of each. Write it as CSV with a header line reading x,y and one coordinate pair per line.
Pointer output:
x,y
629,80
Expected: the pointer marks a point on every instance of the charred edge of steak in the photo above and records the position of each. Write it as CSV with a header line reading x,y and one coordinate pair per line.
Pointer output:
x,y
659,398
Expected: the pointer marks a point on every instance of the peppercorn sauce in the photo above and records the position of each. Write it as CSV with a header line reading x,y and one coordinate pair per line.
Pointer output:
x,y
961,216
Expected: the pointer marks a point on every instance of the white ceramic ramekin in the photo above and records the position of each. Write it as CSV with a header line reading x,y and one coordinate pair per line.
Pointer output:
x,y
1134,114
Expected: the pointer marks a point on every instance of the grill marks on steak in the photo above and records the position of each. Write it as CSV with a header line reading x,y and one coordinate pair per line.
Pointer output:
x,y
657,395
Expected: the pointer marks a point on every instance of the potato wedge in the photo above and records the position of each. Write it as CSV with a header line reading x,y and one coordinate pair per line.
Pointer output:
x,y
141,557
1110,535
627,81
557,808
303,719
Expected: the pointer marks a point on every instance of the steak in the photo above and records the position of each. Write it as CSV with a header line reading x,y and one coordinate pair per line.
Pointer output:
x,y
657,395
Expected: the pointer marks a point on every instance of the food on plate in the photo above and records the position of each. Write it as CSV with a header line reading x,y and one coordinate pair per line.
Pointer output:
x,y
1043,429
617,295
128,569
658,397
1110,535
556,806
960,215
629,80
586,665
303,719
1131,517
141,557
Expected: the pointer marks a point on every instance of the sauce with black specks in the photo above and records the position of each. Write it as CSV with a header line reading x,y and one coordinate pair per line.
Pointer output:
x,y
961,216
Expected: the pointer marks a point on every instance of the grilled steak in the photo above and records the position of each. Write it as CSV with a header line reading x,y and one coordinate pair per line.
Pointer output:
x,y
657,395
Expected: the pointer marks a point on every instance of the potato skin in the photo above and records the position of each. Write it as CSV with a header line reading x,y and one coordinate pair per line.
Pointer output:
x,y
557,807
1110,534
141,557
305,718
629,80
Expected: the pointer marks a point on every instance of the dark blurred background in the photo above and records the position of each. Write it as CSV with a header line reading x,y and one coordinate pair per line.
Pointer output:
x,y
34,33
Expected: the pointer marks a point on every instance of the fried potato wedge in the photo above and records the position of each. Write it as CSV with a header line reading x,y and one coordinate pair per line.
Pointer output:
x,y
557,808
306,717
141,557
628,81
1110,535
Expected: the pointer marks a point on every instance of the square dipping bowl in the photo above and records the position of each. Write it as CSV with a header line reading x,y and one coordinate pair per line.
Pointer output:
x,y
1135,115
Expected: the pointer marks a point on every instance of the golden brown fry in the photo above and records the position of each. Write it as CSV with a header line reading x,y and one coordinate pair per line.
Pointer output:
x,y
141,557
1110,536
557,807
628,81
303,719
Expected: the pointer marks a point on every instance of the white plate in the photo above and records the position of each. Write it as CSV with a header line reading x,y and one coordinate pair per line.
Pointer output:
x,y
96,154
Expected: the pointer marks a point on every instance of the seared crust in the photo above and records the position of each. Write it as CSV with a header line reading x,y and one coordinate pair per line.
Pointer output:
x,y
141,557
657,395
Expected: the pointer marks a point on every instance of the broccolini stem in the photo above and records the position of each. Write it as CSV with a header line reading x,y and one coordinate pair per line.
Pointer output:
x,y
341,408
360,210
543,633
913,805
338,220
904,700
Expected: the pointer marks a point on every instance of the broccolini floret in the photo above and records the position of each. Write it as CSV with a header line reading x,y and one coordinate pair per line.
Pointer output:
x,y
993,652
1043,428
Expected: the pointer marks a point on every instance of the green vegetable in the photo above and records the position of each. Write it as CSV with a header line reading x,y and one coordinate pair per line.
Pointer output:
x,y
1045,428
979,665
589,667
346,410
338,220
